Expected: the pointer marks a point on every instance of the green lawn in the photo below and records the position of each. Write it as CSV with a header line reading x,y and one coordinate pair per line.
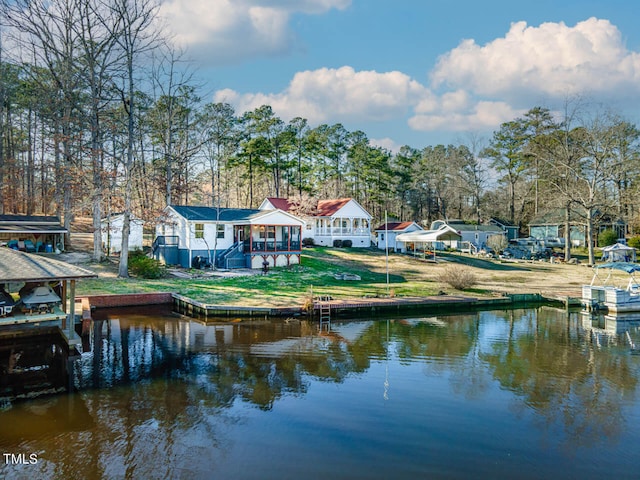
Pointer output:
x,y
282,286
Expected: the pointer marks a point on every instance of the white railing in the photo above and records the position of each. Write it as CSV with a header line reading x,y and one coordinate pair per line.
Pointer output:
x,y
358,232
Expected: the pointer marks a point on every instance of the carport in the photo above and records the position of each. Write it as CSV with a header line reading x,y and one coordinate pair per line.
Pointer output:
x,y
430,237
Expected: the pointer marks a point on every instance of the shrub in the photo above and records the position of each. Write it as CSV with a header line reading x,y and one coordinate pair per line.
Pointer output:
x,y
135,253
145,267
460,278
497,243
607,237
634,241
347,243
308,242
337,243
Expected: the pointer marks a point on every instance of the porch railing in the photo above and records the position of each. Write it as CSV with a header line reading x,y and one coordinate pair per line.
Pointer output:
x,y
357,232
165,241
271,246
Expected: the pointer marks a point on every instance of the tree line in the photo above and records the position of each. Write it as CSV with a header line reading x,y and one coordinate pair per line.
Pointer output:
x,y
99,113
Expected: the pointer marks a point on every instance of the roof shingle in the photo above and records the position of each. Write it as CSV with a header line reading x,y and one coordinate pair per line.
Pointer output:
x,y
18,266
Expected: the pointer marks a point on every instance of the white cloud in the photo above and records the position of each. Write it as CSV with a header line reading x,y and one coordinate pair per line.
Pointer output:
x,y
479,87
552,59
336,94
480,115
386,143
473,87
225,31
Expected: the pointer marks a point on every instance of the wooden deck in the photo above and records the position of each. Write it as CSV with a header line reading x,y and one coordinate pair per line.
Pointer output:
x,y
440,303
326,308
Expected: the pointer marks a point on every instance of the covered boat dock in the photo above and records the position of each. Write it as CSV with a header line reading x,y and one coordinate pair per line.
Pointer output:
x,y
19,268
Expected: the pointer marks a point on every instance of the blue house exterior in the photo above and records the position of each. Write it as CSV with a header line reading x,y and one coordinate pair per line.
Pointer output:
x,y
227,237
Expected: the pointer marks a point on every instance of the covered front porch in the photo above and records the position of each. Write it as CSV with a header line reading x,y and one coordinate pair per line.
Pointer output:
x,y
269,245
342,227
268,238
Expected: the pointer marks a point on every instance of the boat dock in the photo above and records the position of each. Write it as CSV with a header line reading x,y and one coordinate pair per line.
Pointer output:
x,y
20,268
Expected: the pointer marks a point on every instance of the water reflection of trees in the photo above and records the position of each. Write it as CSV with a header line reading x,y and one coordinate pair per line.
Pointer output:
x,y
543,356
189,377
548,360
132,350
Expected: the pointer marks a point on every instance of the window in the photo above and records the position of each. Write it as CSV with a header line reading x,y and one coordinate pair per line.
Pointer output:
x,y
220,231
199,230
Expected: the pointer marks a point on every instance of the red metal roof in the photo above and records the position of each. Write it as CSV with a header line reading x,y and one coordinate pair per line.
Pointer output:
x,y
326,208
394,226
280,203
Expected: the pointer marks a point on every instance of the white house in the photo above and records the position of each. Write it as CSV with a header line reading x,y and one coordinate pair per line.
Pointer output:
x,y
386,235
472,236
112,233
230,237
330,220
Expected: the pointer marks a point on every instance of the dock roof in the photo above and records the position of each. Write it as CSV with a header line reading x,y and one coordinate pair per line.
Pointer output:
x,y
16,266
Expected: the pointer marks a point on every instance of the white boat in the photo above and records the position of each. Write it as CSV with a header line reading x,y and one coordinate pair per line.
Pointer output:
x,y
609,297
41,299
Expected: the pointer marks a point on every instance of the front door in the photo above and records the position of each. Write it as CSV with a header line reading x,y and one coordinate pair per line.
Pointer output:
x,y
238,235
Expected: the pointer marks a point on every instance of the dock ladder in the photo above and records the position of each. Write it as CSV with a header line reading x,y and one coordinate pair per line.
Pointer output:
x,y
325,309
631,344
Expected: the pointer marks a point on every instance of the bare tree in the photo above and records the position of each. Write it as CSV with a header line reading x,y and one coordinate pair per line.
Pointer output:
x,y
474,172
47,29
95,31
171,118
583,166
135,35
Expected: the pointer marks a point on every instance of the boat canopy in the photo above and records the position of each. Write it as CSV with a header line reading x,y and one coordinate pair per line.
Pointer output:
x,y
619,253
627,267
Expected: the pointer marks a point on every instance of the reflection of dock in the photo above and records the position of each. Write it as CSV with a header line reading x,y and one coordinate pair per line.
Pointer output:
x,y
610,324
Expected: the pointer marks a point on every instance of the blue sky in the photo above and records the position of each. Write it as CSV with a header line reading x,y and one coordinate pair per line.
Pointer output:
x,y
416,72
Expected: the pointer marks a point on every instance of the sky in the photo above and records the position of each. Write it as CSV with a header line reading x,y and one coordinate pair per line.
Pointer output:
x,y
411,72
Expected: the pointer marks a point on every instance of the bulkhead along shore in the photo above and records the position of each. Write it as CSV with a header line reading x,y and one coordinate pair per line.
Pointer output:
x,y
353,278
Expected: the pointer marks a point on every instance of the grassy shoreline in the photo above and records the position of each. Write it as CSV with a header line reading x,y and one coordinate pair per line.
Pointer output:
x,y
408,277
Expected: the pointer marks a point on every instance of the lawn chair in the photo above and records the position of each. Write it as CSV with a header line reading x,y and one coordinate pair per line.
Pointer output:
x,y
39,246
13,244
29,246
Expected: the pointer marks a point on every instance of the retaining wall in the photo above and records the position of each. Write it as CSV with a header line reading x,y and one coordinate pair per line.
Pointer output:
x,y
129,299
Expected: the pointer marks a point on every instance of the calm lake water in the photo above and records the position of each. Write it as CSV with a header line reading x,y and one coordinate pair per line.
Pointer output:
x,y
499,395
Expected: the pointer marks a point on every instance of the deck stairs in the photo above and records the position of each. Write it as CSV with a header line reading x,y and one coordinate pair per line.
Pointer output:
x,y
227,257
